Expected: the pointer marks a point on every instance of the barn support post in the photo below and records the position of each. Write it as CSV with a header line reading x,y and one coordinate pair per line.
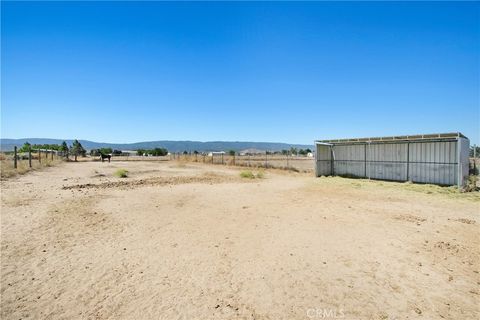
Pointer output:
x,y
408,161
15,157
369,164
365,157
332,161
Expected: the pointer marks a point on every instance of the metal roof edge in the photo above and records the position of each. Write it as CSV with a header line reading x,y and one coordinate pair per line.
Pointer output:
x,y
417,137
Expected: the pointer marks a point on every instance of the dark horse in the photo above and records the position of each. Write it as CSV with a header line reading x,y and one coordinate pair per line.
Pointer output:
x,y
105,156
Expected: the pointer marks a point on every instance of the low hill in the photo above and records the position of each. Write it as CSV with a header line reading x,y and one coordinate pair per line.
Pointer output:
x,y
172,146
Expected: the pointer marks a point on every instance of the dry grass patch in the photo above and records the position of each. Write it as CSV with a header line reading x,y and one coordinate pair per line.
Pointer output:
x,y
7,170
121,173
247,174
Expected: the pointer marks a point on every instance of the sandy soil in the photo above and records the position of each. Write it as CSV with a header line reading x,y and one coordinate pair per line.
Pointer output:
x,y
195,241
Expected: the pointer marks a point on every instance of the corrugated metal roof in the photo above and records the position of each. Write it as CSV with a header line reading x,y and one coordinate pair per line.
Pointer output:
x,y
433,136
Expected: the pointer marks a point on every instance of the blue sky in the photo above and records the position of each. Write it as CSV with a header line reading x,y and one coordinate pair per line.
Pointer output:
x,y
283,72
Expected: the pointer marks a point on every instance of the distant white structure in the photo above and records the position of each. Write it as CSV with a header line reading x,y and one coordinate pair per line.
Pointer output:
x,y
129,153
310,154
251,151
215,153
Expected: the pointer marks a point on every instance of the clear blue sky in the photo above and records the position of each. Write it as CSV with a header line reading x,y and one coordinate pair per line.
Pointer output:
x,y
283,72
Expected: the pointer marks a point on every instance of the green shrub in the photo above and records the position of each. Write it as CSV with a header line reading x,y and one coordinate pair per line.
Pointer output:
x,y
121,173
247,174
250,175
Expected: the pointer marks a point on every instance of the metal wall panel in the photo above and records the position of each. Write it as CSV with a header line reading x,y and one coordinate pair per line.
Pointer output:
x,y
464,154
387,161
349,160
349,168
323,163
433,162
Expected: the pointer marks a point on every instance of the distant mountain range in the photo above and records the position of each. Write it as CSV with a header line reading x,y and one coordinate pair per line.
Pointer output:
x,y
173,146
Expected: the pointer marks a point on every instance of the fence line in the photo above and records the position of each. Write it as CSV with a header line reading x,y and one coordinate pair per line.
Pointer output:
x,y
288,162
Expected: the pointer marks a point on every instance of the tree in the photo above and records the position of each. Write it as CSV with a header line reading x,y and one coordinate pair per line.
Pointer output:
x,y
26,147
195,152
105,150
293,150
64,149
77,149
185,152
159,152
231,152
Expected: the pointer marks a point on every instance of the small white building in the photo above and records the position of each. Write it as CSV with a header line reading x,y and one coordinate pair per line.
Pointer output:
x,y
216,153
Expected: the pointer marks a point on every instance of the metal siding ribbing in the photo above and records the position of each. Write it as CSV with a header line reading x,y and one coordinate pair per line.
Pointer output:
x,y
464,153
349,160
323,160
387,161
433,162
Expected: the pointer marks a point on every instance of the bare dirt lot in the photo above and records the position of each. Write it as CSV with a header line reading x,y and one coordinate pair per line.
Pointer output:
x,y
196,241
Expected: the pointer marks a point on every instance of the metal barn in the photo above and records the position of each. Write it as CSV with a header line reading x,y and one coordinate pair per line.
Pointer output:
x,y
431,158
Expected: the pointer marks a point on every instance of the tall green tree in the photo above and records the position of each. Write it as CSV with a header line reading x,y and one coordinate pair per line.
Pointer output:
x,y
77,149
64,149
26,147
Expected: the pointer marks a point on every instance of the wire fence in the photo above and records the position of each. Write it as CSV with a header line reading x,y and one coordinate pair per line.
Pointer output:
x,y
286,162
15,162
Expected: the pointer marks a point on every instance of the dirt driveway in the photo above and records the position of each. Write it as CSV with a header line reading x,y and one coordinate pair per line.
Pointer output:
x,y
194,241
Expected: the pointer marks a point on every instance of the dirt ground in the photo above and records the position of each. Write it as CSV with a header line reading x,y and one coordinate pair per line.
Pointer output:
x,y
196,241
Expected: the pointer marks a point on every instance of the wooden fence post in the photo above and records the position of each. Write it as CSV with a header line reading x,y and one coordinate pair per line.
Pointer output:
x,y
39,156
52,155
266,161
30,157
15,157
